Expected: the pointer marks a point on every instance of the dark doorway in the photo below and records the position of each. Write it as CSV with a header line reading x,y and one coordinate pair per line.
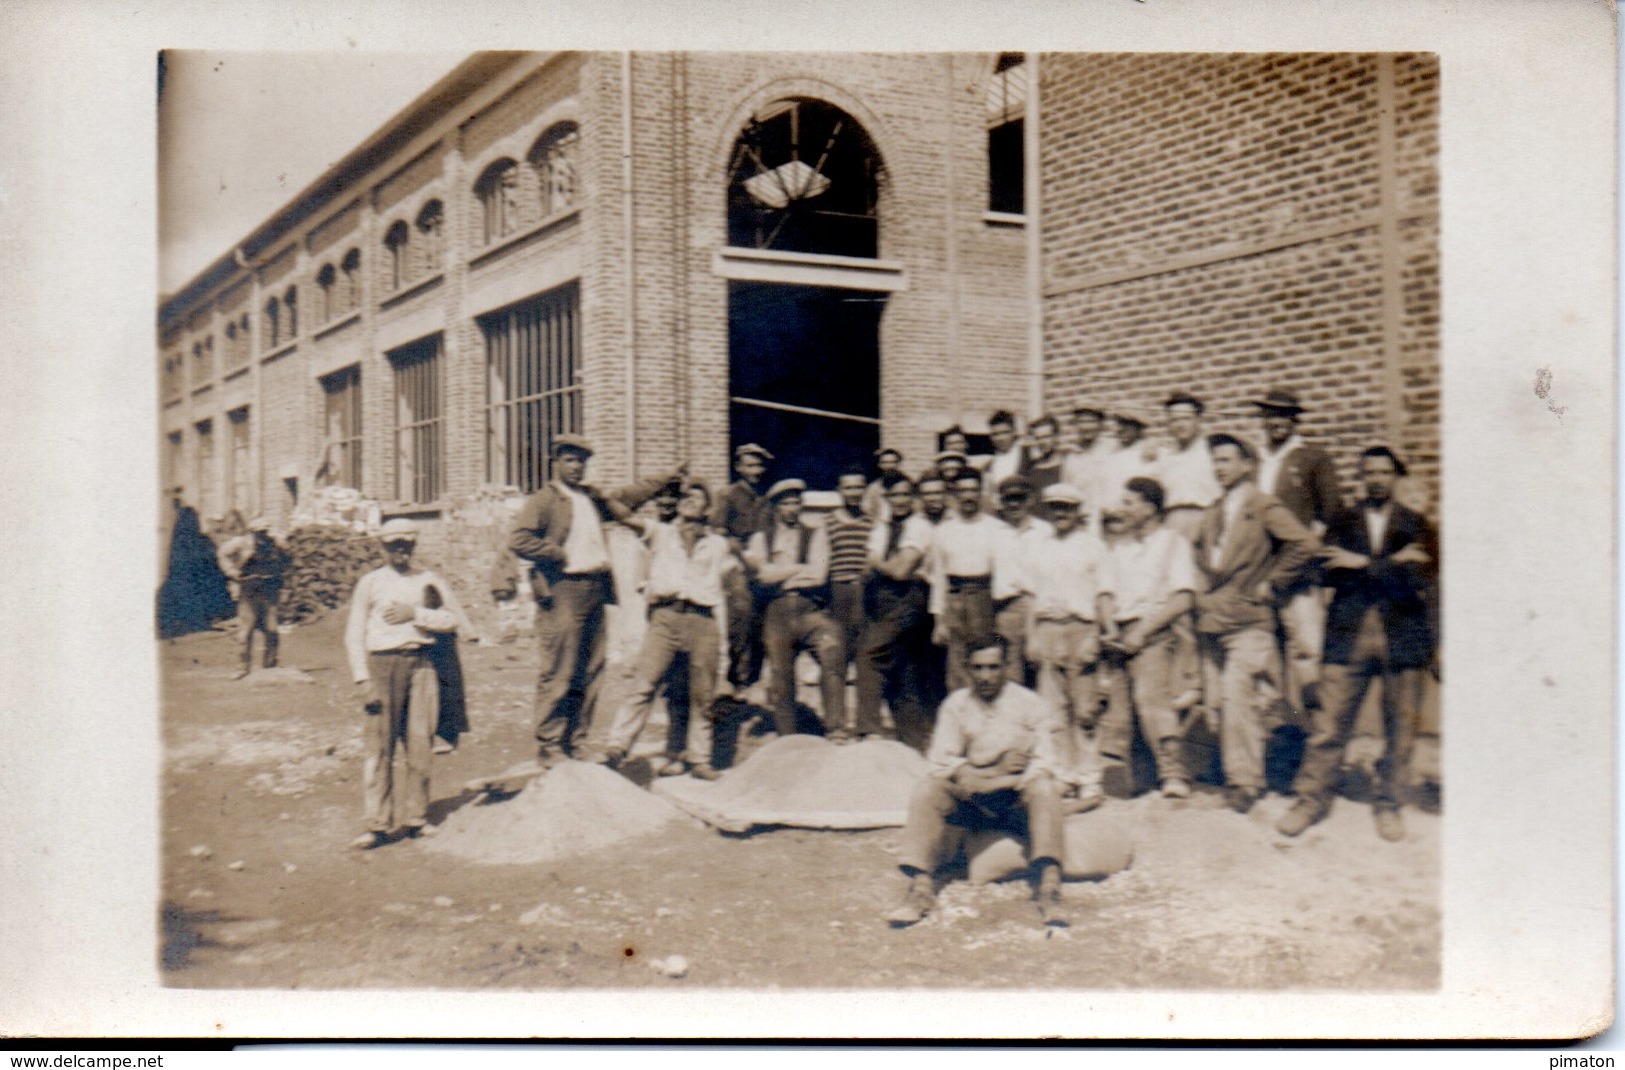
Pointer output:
x,y
804,376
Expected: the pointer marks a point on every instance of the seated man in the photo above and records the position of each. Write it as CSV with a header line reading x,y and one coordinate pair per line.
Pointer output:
x,y
992,763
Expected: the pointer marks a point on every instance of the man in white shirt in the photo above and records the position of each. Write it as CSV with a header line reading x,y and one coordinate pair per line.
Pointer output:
x,y
1082,467
1070,590
894,650
1186,471
964,550
791,564
687,569
1007,456
387,639
992,765
1015,580
560,531
1151,571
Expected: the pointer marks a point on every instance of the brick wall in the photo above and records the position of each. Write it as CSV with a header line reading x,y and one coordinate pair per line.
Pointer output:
x,y
1218,224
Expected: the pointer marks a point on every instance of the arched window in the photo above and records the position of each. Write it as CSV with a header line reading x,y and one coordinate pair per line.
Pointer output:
x,y
554,158
326,278
352,280
396,241
1006,150
805,178
290,301
498,192
273,323
431,237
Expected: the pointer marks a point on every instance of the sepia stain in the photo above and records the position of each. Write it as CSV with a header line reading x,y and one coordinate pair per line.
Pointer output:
x,y
1543,390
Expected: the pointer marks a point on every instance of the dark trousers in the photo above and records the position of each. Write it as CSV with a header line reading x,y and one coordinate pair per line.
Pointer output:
x,y
257,608
744,629
846,613
894,653
791,624
968,618
1342,691
570,649
405,707
938,803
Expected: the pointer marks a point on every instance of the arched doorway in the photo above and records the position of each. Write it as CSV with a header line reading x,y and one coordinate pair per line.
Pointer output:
x,y
804,356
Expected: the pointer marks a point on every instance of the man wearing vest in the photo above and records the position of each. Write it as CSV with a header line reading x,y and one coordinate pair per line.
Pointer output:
x,y
791,563
895,652
560,531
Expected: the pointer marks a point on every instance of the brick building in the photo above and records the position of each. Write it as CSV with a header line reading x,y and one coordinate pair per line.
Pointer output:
x,y
675,253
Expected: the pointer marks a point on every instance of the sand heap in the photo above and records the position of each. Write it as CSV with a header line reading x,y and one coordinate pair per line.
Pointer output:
x,y
808,782
573,809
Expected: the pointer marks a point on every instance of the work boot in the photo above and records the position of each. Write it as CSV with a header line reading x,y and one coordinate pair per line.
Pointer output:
x,y
610,756
1176,788
368,840
1390,826
441,745
918,901
1240,799
703,771
1305,812
1048,895
270,651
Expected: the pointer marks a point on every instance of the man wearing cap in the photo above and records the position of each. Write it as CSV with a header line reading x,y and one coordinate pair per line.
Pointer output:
x,y
887,462
388,638
1014,576
1304,479
894,653
1379,559
255,565
847,529
1151,573
965,550
1043,462
1250,551
740,511
1071,592
1186,470
687,565
560,531
790,561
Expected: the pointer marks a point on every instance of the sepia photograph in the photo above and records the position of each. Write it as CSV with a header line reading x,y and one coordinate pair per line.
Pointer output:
x,y
817,520
804,520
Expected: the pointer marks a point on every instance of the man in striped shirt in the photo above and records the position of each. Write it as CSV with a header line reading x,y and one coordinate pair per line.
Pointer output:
x,y
848,532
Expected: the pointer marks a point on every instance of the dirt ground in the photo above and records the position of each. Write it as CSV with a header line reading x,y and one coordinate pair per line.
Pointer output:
x,y
262,794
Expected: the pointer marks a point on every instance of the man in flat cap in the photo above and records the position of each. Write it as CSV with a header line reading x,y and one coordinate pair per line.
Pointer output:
x,y
1071,596
256,564
790,560
560,531
1304,479
740,511
396,613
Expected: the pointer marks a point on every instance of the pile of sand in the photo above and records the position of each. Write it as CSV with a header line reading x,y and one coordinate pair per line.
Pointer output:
x,y
808,782
573,809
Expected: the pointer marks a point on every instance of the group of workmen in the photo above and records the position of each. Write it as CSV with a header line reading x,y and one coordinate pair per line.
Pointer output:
x,y
1020,614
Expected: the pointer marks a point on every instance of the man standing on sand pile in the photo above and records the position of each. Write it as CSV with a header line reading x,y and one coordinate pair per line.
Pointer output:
x,y
560,531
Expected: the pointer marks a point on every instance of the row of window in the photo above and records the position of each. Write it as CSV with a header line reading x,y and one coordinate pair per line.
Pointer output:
x,y
533,394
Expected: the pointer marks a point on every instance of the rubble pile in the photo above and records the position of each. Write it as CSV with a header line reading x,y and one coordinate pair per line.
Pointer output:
x,y
328,559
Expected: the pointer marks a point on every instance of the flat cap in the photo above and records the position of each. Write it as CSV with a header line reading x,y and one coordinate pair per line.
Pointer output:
x,y
572,443
750,449
1062,492
1280,401
1015,485
398,530
783,487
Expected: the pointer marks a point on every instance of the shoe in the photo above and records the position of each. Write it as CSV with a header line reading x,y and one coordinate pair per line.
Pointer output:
x,y
839,735
1240,799
704,772
610,756
1176,788
1304,812
1048,897
917,903
441,745
1390,826
368,840
671,767
1083,803
422,832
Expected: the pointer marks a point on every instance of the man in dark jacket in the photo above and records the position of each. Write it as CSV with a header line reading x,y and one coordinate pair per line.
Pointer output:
x,y
740,511
1379,559
560,531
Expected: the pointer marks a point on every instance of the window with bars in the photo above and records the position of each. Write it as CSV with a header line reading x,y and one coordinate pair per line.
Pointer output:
x,y
240,478
554,159
420,432
341,437
290,301
533,391
431,235
1006,148
351,298
205,466
498,193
